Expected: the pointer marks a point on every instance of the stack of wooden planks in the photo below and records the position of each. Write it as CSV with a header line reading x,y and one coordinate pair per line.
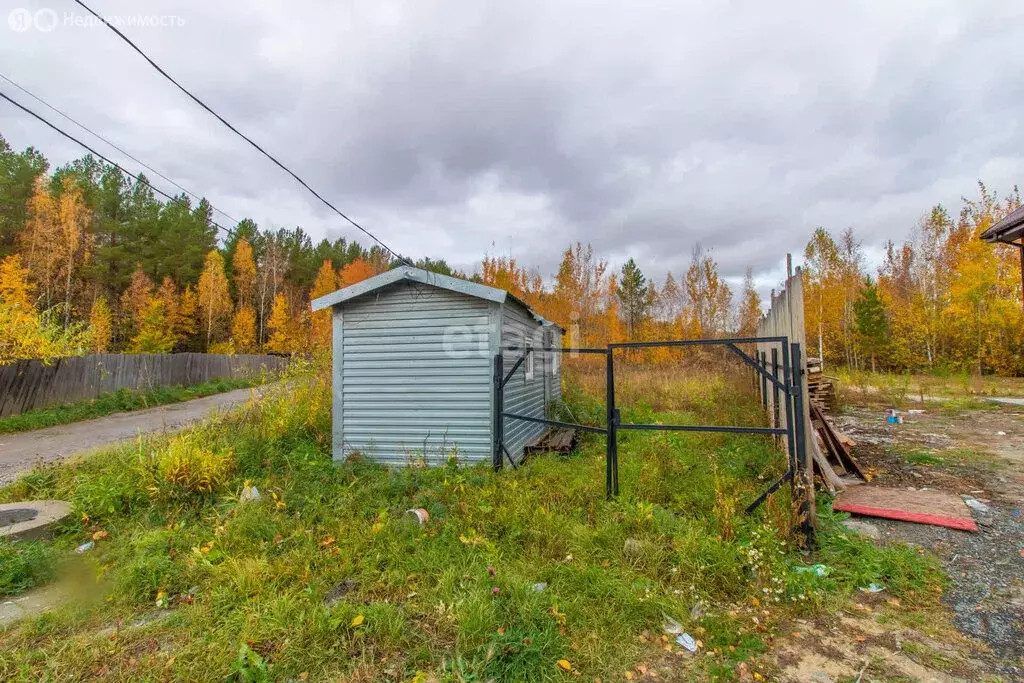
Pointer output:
x,y
833,454
554,440
821,388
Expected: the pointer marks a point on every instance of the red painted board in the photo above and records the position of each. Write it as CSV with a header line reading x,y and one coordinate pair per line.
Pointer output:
x,y
938,508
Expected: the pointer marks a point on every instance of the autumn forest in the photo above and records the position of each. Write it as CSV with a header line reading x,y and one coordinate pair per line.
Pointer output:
x,y
92,261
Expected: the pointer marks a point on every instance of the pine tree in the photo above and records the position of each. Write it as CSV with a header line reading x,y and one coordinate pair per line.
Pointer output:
x,y
18,175
213,297
869,315
633,295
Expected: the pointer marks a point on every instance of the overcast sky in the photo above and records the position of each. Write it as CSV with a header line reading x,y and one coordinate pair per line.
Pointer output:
x,y
458,128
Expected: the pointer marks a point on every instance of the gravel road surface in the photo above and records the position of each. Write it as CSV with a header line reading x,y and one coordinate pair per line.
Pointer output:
x,y
20,452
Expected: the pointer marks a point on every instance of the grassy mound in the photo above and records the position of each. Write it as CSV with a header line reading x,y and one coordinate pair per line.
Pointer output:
x,y
525,575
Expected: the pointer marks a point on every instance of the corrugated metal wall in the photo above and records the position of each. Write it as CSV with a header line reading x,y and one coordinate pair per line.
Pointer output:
x,y
412,375
521,396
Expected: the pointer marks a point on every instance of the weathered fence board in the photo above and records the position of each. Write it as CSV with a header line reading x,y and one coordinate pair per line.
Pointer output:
x,y
30,384
785,317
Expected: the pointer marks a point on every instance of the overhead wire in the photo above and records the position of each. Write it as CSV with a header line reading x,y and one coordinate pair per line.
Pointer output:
x,y
242,135
101,156
115,146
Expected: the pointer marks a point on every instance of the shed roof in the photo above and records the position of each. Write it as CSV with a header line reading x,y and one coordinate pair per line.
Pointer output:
x,y
1009,229
411,274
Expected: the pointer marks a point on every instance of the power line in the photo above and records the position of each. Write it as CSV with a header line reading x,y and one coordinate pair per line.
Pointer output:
x,y
91,150
239,133
119,149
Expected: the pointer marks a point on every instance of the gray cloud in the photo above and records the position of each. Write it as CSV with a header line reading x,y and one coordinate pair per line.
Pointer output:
x,y
458,128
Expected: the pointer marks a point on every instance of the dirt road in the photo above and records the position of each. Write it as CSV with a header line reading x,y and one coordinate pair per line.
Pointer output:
x,y
19,452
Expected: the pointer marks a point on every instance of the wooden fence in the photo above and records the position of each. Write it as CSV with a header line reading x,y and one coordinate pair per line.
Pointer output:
x,y
785,318
30,384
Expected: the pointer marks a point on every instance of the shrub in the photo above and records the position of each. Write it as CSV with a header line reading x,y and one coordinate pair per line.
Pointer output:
x,y
189,468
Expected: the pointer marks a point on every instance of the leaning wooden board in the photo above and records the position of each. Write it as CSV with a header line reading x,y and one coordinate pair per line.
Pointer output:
x,y
938,508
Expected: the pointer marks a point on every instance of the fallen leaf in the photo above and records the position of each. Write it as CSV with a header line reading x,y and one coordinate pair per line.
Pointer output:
x,y
629,675
564,665
99,535
304,675
357,621
327,541
170,663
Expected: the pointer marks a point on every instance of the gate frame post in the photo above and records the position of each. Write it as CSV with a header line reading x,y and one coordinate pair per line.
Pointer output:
x,y
499,408
611,438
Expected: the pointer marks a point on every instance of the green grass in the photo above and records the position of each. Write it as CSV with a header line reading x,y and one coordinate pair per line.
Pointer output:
x,y
955,391
25,564
246,582
122,400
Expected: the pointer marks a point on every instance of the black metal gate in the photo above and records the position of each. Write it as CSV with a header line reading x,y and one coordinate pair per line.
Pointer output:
x,y
787,387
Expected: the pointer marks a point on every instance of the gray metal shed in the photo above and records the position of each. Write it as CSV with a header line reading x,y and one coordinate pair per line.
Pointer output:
x,y
413,368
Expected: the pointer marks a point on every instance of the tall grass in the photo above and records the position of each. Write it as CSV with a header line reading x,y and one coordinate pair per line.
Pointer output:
x,y
514,571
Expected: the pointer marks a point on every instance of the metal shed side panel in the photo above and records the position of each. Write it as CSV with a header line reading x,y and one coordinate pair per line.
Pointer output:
x,y
415,374
524,397
338,359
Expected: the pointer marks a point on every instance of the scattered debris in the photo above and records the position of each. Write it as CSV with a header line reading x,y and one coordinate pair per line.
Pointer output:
x,y
866,529
820,387
816,569
671,626
976,504
832,452
540,587
554,440
250,494
633,548
924,506
686,641
85,547
338,593
873,588
421,515
893,418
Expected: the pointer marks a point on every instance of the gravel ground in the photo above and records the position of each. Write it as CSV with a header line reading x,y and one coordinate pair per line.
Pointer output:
x,y
20,452
986,569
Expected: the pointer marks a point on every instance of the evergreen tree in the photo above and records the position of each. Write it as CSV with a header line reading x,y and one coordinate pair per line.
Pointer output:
x,y
869,315
632,292
18,174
